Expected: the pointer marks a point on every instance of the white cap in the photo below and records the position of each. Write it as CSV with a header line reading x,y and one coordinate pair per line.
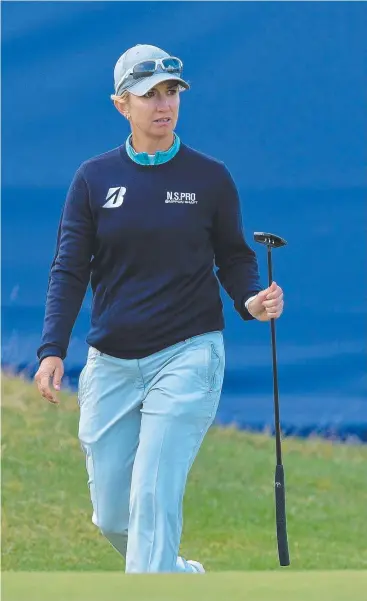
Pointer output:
x,y
139,87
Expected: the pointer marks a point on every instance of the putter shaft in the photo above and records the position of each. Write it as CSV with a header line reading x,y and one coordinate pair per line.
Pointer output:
x,y
275,371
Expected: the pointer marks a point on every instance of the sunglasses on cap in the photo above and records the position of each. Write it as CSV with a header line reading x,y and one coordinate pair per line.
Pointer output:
x,y
147,68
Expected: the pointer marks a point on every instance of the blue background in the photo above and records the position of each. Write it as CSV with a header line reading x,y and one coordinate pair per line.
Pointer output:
x,y
278,93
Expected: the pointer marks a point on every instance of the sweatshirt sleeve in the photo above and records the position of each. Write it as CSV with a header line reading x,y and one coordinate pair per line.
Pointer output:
x,y
236,261
70,271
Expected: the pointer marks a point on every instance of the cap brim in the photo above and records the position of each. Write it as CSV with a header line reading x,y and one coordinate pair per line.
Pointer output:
x,y
145,84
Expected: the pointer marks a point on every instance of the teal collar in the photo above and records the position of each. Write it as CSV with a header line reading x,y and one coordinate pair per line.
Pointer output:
x,y
161,156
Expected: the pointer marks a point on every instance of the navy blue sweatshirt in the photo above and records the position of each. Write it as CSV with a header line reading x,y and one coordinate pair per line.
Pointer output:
x,y
153,241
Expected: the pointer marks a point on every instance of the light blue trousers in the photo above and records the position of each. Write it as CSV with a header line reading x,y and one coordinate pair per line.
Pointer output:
x,y
142,422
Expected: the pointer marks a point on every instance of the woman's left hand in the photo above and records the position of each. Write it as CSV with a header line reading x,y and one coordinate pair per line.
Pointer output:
x,y
267,304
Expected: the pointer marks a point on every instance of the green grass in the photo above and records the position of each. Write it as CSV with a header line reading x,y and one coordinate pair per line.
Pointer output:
x,y
228,507
231,586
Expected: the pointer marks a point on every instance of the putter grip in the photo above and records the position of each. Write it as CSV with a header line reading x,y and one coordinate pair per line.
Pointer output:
x,y
281,517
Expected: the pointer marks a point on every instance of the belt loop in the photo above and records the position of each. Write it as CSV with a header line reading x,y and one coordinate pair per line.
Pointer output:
x,y
93,352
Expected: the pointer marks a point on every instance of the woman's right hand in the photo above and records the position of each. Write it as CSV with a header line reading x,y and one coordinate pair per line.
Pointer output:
x,y
50,368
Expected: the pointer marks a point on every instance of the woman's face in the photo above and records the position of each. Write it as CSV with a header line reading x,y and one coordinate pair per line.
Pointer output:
x,y
156,113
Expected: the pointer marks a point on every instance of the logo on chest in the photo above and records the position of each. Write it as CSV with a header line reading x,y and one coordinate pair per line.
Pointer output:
x,y
115,198
181,198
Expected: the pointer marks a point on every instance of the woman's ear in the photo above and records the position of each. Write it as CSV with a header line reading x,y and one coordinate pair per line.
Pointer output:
x,y
121,104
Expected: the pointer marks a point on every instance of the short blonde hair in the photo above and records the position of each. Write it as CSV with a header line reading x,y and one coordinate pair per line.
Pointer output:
x,y
124,97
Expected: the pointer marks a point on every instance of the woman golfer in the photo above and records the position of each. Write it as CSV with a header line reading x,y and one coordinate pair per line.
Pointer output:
x,y
146,223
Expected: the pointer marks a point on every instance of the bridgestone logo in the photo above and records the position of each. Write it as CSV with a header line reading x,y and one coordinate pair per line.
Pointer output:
x,y
115,197
181,198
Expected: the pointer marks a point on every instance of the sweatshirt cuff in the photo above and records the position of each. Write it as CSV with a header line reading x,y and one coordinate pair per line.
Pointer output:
x,y
50,351
249,300
244,312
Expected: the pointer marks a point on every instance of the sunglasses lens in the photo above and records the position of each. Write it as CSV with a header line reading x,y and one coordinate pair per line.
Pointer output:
x,y
144,69
172,65
147,68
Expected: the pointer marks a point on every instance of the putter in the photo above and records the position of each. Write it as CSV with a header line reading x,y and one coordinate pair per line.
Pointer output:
x,y
273,241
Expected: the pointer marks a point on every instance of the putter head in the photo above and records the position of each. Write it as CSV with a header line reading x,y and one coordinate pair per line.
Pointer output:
x,y
269,239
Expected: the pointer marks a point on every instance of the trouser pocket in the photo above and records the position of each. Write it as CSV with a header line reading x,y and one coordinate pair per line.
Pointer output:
x,y
215,368
84,378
